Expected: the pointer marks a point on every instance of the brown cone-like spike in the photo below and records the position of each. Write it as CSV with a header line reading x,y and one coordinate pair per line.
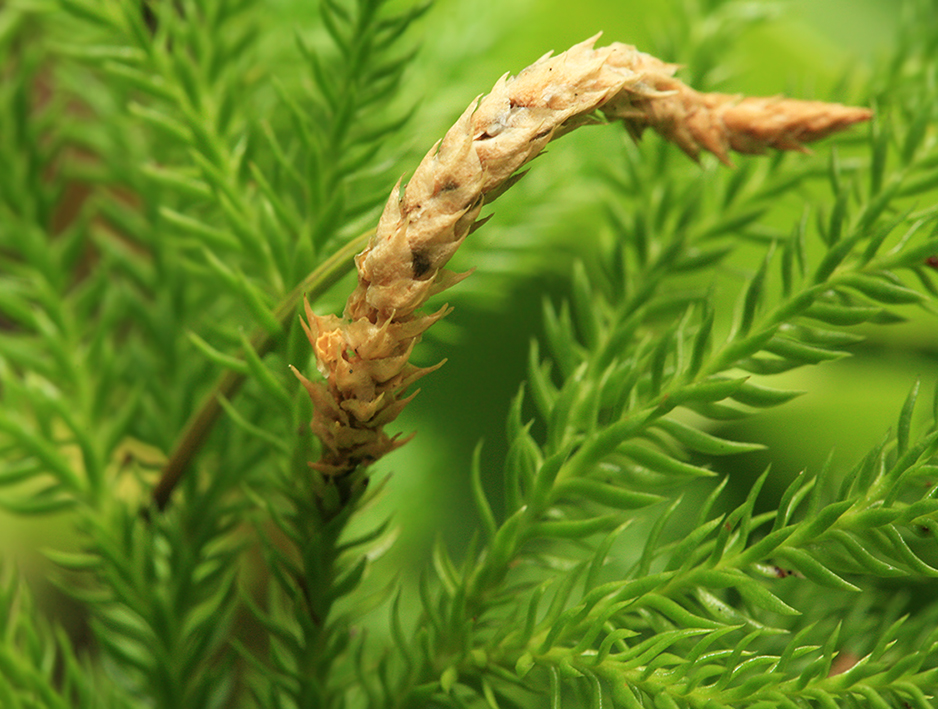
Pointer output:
x,y
363,356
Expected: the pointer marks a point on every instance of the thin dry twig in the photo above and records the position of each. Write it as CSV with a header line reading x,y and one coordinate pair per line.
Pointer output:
x,y
364,355
200,424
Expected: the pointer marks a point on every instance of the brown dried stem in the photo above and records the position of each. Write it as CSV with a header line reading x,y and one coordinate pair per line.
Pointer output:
x,y
229,382
364,356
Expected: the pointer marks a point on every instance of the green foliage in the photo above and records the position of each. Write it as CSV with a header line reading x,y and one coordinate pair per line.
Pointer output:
x,y
176,175
38,667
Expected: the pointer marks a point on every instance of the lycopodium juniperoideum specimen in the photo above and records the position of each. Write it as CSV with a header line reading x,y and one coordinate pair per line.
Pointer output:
x,y
364,355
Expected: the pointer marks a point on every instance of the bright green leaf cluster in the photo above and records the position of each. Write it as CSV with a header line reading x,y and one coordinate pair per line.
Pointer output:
x,y
185,175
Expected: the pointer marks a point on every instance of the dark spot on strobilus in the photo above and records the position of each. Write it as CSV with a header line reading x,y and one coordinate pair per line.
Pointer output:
x,y
420,262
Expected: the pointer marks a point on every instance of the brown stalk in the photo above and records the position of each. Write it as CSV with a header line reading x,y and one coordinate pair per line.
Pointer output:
x,y
200,424
363,356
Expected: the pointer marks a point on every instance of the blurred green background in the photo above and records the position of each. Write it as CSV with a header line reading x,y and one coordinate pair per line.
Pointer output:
x,y
804,49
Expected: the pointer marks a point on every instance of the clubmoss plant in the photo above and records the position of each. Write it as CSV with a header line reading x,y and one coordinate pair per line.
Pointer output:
x,y
182,192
